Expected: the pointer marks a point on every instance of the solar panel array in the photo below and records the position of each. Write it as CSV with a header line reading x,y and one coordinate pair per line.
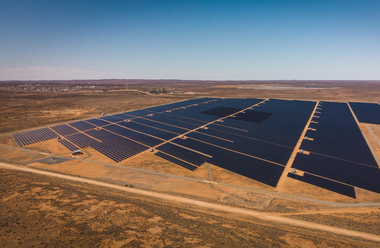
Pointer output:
x,y
367,112
176,161
250,137
34,136
326,184
339,151
68,145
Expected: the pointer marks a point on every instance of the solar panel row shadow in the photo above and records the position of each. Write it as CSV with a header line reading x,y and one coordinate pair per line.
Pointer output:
x,y
253,116
221,111
326,184
366,112
136,136
361,176
176,161
238,103
34,136
183,154
262,171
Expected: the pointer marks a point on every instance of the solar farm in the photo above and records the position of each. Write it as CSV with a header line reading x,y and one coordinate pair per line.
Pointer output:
x,y
266,140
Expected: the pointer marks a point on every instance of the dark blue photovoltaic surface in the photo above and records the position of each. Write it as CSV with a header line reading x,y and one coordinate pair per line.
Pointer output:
x,y
172,121
221,111
112,119
34,136
259,170
339,150
256,144
115,147
366,112
361,176
140,135
183,154
138,113
338,135
64,129
160,126
68,145
81,140
158,133
97,122
82,125
263,150
253,116
130,134
335,149
176,161
326,184
178,104
122,117
189,114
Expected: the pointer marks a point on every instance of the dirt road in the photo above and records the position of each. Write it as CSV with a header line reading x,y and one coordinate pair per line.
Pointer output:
x,y
166,175
211,206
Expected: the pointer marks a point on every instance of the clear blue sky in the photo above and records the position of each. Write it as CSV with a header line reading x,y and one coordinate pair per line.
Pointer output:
x,y
263,39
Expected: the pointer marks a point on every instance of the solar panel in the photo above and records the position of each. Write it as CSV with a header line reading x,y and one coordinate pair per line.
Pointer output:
x,y
361,176
68,145
326,184
145,139
97,122
256,143
184,154
253,116
112,119
366,112
64,129
338,135
176,161
82,125
262,171
34,136
221,111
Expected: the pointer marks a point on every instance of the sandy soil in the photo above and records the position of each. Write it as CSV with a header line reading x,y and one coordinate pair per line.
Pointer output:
x,y
80,214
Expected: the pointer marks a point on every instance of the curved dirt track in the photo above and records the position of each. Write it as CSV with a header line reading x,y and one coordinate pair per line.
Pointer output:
x,y
212,206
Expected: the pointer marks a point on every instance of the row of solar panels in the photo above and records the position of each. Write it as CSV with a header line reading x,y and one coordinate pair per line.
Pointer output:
x,y
367,112
255,143
338,151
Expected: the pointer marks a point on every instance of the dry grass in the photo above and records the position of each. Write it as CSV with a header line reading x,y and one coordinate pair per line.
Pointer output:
x,y
40,211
